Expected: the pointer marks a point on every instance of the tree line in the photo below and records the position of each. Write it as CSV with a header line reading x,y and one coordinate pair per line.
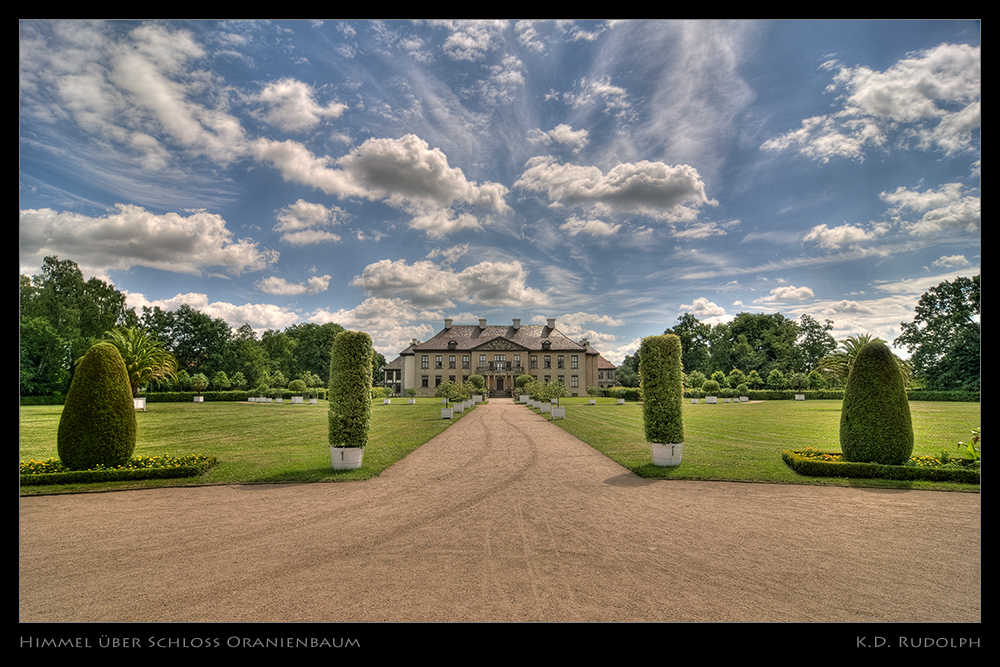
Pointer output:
x,y
773,351
62,315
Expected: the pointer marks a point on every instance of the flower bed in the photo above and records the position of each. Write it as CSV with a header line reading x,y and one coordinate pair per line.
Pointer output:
x,y
817,463
52,471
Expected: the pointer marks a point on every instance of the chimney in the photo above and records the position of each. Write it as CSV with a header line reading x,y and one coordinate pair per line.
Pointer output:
x,y
482,322
552,323
517,324
447,324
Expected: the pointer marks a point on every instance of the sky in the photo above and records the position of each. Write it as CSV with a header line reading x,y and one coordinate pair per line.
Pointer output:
x,y
613,175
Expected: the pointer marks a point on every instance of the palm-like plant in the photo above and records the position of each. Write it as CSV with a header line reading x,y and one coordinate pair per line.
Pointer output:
x,y
145,359
838,365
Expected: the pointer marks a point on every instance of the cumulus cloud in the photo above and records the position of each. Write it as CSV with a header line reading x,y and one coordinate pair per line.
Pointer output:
x,y
130,236
428,285
835,237
930,100
471,40
705,310
670,192
564,135
950,208
291,105
952,262
786,293
592,227
305,222
275,285
260,316
405,173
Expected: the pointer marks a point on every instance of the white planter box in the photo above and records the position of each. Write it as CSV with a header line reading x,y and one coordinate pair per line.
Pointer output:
x,y
459,408
694,400
621,401
386,401
477,399
278,400
800,397
199,399
666,455
525,398
591,402
346,458
546,407
711,399
412,401
139,403
727,400
744,399
447,413
312,401
296,399
558,413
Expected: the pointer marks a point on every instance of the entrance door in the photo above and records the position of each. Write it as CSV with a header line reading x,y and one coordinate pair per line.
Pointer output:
x,y
499,384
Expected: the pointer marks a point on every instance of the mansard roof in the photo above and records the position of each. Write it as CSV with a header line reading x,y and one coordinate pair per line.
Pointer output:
x,y
514,337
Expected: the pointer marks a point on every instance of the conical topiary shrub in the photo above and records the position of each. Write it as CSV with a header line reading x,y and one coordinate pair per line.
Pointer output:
x,y
660,377
875,425
98,424
350,397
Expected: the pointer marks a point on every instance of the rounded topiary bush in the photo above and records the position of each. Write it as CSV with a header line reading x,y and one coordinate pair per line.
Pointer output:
x,y
297,386
875,425
98,424
660,377
350,389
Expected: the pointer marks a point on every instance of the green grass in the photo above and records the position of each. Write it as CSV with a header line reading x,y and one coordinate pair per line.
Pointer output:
x,y
744,441
254,443
258,443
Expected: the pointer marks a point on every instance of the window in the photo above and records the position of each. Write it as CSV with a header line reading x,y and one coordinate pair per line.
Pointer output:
x,y
451,361
548,361
517,361
482,361
465,361
423,361
560,362
423,381
534,363
437,380
574,361
574,381
437,361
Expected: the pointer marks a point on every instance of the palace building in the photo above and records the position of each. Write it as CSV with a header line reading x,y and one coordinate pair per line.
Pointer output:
x,y
500,353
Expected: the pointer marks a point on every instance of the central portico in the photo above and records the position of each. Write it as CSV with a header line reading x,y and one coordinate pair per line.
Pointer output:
x,y
500,353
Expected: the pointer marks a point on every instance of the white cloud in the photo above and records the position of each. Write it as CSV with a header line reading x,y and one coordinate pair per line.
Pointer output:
x,y
930,100
574,226
304,222
275,285
656,189
705,310
564,135
835,237
291,105
948,209
786,293
428,285
471,40
404,173
132,236
260,316
952,261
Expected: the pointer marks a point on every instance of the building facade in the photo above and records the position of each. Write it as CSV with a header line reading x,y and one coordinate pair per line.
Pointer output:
x,y
500,353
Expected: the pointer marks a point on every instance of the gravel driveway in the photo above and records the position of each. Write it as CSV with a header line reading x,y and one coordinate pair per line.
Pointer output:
x,y
503,517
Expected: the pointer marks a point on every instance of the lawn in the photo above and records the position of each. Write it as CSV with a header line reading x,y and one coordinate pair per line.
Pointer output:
x,y
744,441
258,443
253,442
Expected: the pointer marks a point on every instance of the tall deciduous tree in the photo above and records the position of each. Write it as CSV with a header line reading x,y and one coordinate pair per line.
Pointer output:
x,y
944,336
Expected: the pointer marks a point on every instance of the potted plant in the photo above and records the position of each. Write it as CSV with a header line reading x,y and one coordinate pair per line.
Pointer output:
x,y
199,382
298,389
711,389
350,398
660,377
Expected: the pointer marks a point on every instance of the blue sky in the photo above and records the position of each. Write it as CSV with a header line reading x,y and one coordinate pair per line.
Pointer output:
x,y
386,175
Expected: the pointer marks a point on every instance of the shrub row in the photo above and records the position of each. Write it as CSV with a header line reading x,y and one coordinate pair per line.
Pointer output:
x,y
192,469
805,464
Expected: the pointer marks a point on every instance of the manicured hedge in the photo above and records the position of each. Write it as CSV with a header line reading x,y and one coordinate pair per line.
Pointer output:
x,y
806,463
350,389
875,423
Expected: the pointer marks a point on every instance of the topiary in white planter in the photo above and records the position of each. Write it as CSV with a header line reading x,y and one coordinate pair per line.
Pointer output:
x,y
660,378
350,398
